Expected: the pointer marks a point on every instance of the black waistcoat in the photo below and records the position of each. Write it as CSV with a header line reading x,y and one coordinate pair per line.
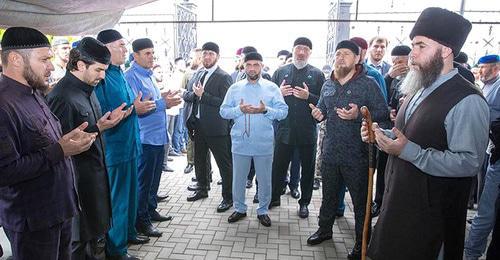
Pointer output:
x,y
420,212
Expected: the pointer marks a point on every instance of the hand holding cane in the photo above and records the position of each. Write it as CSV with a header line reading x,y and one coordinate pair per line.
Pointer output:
x,y
371,169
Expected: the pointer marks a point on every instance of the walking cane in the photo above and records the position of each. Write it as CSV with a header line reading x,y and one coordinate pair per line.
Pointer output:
x,y
371,169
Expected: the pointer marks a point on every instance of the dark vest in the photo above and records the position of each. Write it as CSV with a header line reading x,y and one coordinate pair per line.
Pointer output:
x,y
420,211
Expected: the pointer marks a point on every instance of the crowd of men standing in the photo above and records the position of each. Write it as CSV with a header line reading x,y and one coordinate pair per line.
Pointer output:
x,y
81,158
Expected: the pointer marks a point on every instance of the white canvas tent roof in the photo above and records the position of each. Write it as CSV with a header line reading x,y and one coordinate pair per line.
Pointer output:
x,y
65,17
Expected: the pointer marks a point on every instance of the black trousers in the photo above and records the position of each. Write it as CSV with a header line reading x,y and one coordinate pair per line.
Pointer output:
x,y
93,249
355,177
220,146
380,185
52,243
282,157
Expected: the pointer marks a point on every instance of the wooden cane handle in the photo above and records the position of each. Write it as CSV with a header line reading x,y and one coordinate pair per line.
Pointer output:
x,y
367,117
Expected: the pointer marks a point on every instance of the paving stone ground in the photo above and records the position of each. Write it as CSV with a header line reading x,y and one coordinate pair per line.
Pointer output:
x,y
197,231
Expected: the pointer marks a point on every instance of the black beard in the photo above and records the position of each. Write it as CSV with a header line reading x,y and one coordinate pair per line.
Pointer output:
x,y
430,72
34,80
254,77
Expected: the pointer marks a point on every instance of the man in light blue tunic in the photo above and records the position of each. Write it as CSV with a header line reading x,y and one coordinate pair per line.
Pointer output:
x,y
253,103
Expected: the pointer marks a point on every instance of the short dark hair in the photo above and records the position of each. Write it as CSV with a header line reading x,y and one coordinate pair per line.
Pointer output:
x,y
25,53
74,56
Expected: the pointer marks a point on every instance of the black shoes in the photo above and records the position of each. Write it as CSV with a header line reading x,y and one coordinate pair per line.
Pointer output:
x,y
275,203
196,187
318,237
249,184
224,205
123,257
295,193
236,216
375,210
189,168
138,240
303,211
156,217
339,214
167,169
197,195
316,184
219,182
264,220
148,230
355,253
160,198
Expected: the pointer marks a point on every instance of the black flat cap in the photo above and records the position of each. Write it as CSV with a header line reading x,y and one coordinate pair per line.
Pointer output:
x,y
443,26
283,53
141,44
23,38
210,46
248,49
401,50
347,44
109,35
253,56
303,41
94,49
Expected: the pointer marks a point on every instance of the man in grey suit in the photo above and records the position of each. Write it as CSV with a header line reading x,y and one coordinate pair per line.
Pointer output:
x,y
209,130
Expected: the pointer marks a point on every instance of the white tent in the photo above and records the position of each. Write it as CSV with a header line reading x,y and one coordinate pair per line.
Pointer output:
x,y
65,17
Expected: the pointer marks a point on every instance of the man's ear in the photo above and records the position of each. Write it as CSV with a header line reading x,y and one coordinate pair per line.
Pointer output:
x,y
446,51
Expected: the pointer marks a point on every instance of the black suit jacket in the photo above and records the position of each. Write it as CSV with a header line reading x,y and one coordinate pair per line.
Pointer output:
x,y
211,123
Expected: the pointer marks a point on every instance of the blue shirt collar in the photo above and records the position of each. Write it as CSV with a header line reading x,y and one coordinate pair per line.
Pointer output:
x,y
142,71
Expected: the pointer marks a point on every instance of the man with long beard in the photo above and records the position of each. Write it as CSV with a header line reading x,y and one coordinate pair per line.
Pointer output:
x,y
345,156
38,197
437,145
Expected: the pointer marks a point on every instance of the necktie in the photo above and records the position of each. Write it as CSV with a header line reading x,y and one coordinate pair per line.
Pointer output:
x,y
202,79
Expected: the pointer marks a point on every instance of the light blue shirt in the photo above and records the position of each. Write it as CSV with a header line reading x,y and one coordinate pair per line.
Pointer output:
x,y
153,125
253,134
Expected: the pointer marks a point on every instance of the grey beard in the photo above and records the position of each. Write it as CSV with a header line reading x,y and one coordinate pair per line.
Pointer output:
x,y
299,64
411,83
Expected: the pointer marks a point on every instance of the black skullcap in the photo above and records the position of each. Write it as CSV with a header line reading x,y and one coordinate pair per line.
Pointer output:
x,y
141,44
303,41
401,50
461,57
94,49
447,28
283,53
210,46
23,38
109,35
247,49
253,56
346,44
